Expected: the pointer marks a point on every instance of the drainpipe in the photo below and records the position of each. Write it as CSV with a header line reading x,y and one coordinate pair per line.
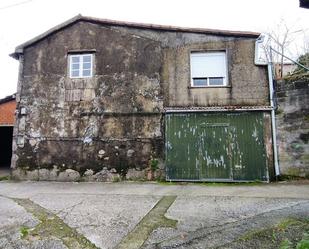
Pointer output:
x,y
273,119
258,62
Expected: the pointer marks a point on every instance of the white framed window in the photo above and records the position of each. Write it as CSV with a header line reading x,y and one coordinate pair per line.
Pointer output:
x,y
81,65
208,69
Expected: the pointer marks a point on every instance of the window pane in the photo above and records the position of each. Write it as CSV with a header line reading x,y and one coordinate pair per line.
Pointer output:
x,y
200,82
80,65
75,59
75,66
86,65
216,81
75,73
86,72
87,58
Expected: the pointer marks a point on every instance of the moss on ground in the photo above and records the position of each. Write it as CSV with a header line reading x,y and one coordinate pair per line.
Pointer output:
x,y
51,226
291,178
289,234
153,220
4,178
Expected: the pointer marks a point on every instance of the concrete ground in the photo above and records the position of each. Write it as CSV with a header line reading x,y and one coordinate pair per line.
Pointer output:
x,y
141,215
5,171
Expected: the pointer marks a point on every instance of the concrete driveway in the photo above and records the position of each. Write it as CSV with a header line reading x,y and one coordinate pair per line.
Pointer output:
x,y
141,215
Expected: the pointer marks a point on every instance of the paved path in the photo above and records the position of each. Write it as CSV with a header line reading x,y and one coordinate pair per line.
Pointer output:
x,y
4,171
140,215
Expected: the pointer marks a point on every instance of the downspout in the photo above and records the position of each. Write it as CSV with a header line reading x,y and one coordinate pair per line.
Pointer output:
x,y
258,62
273,119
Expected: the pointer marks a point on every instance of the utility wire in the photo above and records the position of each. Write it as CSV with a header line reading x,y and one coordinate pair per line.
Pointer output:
x,y
14,5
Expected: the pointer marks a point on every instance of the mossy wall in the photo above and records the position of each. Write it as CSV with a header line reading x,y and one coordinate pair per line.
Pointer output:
x,y
293,127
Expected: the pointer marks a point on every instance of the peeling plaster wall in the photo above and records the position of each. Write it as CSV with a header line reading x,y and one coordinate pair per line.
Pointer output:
x,y
110,126
247,83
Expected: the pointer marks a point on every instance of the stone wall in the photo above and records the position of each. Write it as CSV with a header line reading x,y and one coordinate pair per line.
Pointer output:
x,y
293,127
111,126
104,128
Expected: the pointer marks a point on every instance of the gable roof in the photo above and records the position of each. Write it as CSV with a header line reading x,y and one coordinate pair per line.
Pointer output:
x,y
19,49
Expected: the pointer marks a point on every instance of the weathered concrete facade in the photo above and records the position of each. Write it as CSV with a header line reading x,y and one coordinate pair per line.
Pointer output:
x,y
110,126
293,127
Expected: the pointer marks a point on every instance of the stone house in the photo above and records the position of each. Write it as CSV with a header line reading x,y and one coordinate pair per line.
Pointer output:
x,y
103,100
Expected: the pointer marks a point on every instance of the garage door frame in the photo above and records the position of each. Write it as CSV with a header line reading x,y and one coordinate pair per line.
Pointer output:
x,y
195,177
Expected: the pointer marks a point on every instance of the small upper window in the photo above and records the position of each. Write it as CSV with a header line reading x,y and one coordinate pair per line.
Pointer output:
x,y
208,69
80,65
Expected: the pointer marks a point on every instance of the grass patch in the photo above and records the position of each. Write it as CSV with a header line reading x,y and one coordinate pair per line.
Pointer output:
x,y
288,234
304,243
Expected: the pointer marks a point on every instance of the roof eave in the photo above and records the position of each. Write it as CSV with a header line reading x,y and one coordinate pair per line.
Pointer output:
x,y
16,54
19,49
248,34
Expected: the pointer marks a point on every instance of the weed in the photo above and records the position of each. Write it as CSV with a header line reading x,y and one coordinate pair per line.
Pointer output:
x,y
24,231
304,243
285,244
154,164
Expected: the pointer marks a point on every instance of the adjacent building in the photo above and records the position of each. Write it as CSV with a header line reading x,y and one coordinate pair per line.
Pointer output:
x,y
7,119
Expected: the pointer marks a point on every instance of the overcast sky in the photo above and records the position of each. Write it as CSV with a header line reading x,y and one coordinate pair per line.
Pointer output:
x,y
21,20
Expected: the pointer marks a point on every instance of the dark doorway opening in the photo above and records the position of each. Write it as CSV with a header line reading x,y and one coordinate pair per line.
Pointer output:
x,y
6,136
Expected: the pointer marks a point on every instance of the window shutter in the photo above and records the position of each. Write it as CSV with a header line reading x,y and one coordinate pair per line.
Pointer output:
x,y
209,64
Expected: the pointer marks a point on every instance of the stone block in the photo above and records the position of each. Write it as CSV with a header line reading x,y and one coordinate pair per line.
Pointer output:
x,y
134,174
68,175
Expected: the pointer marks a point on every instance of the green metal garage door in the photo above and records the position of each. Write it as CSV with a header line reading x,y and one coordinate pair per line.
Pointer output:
x,y
215,147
